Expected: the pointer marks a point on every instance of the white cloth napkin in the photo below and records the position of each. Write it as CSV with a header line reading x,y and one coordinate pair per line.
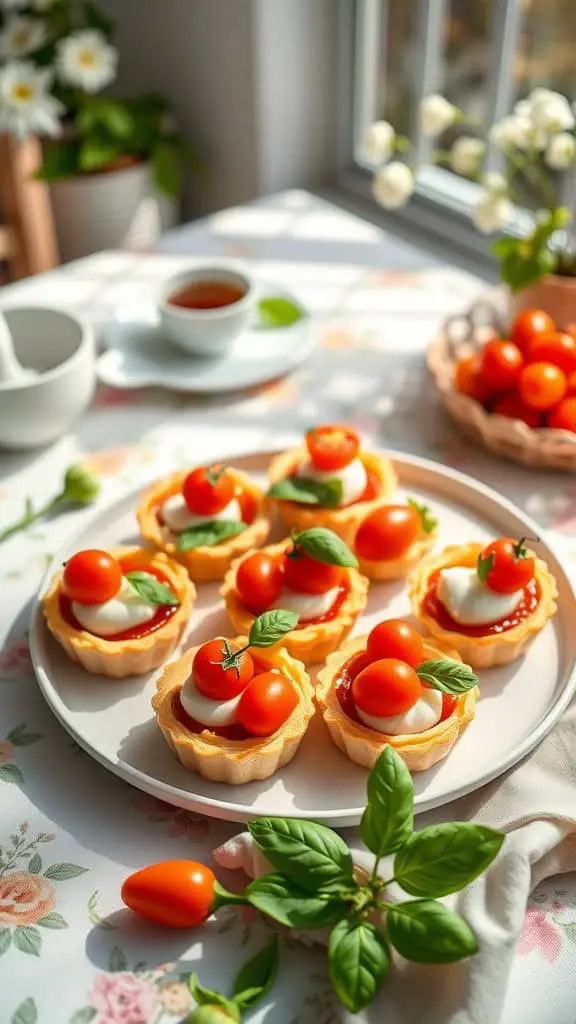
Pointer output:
x,y
535,804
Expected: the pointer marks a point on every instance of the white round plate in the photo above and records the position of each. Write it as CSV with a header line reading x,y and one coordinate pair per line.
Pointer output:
x,y
519,704
138,354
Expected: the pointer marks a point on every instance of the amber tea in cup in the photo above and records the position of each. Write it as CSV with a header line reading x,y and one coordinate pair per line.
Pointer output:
x,y
207,294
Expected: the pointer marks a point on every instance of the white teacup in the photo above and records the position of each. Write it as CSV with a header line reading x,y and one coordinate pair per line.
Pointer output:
x,y
206,331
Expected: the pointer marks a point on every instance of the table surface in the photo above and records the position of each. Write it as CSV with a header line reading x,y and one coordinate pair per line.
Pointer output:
x,y
70,832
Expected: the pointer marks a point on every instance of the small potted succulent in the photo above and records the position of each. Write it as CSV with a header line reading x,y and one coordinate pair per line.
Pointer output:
x,y
114,165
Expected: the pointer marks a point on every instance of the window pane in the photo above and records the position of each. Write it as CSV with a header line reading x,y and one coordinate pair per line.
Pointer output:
x,y
547,47
398,41
467,52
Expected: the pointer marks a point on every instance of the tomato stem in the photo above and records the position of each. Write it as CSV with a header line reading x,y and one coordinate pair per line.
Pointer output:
x,y
30,516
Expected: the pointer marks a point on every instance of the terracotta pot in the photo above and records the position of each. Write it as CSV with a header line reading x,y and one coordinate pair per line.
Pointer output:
x,y
557,295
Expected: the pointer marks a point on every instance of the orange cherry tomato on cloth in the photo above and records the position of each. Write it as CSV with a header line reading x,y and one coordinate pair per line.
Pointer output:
x,y
92,577
176,893
501,362
512,567
385,688
529,325
307,576
214,681
396,638
267,702
468,380
563,417
512,406
259,581
332,448
208,489
558,348
542,385
388,532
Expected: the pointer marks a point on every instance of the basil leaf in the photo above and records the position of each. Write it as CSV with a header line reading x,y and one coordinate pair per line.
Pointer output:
x,y
271,626
447,675
206,997
325,546
484,566
150,589
325,493
289,904
310,854
445,858
388,820
358,960
429,522
206,535
429,933
257,976
278,312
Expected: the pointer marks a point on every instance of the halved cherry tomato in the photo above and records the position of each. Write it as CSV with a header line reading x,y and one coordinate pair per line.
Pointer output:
x,y
177,893
385,688
259,581
388,532
563,416
208,489
501,362
512,566
332,448
214,681
528,325
307,576
267,702
512,406
468,380
396,638
558,348
542,385
92,577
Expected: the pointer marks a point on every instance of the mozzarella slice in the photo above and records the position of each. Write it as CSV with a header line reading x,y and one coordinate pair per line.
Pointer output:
x,y
203,709
469,601
353,478
122,612
307,606
426,713
178,517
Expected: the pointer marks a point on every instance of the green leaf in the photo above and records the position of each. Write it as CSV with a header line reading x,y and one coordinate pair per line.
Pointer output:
x,y
484,566
277,312
62,872
53,920
206,997
97,151
429,522
94,18
271,626
35,864
167,169
257,976
324,493
10,772
286,902
84,1015
117,118
388,820
445,858
209,533
20,738
117,960
26,1013
447,675
28,940
150,589
325,546
5,940
429,933
359,961
310,854
60,160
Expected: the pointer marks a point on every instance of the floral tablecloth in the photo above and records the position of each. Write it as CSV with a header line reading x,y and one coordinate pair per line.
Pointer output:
x,y
69,831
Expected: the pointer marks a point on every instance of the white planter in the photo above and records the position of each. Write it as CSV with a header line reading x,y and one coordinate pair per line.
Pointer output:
x,y
113,210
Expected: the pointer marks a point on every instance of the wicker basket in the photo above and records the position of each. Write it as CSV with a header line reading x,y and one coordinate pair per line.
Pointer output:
x,y
463,335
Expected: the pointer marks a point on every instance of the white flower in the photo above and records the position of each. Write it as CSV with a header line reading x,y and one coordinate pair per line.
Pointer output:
x,y
491,212
512,132
522,108
86,59
393,185
560,151
550,111
21,35
26,105
495,183
379,142
436,114
466,154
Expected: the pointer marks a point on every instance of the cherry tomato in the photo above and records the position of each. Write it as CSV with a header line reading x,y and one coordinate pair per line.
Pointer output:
x,y
332,448
259,581
571,391
468,380
558,348
92,577
214,681
396,638
528,325
563,416
542,385
512,566
511,405
385,688
307,576
267,702
388,532
177,893
501,362
208,489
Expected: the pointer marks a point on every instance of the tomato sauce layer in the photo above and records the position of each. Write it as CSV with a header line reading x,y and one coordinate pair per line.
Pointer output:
x,y
434,607
163,613
333,611
346,676
228,732
246,500
371,491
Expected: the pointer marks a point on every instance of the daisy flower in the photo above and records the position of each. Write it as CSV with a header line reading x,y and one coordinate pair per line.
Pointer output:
x,y
21,35
87,59
26,105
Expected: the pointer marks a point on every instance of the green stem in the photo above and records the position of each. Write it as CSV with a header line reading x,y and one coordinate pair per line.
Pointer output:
x,y
17,853
535,176
31,517
374,875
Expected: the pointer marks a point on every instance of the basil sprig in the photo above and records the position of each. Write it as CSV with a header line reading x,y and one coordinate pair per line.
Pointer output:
x,y
324,546
252,982
266,630
305,491
150,589
428,521
209,533
447,675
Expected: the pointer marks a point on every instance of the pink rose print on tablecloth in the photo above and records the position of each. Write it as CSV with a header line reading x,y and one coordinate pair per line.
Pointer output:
x,y
5,751
121,998
15,662
181,822
175,998
25,898
107,397
540,934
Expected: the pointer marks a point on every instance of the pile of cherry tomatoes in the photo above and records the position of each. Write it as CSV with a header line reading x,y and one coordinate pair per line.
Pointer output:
x,y
529,376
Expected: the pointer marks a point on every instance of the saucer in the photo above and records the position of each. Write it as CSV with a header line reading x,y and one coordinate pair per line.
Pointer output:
x,y
138,354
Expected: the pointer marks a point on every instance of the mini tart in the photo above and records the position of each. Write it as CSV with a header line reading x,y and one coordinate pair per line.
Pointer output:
x,y
203,563
419,750
343,521
234,761
311,643
481,652
120,658
398,568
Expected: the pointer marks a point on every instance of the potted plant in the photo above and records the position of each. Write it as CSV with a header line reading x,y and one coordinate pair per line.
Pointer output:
x,y
536,145
114,165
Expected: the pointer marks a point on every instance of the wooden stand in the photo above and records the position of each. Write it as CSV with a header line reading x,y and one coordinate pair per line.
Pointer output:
x,y
27,238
